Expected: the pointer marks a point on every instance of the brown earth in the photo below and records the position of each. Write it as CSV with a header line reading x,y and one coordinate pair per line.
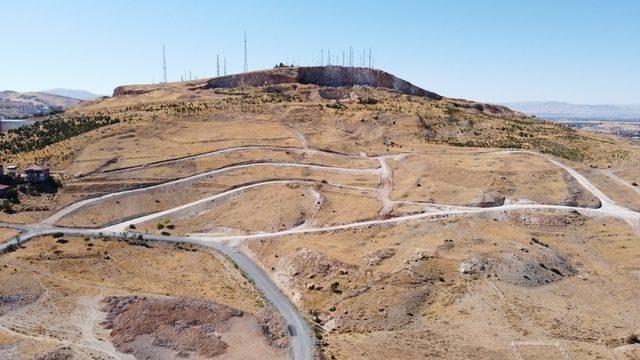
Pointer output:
x,y
534,284
180,327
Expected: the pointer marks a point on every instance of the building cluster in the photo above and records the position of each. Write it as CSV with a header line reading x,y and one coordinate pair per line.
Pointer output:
x,y
10,176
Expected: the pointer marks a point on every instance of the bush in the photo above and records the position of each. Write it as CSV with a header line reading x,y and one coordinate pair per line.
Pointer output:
x,y
633,339
160,226
6,207
132,226
337,105
368,101
12,195
57,234
165,233
171,226
334,288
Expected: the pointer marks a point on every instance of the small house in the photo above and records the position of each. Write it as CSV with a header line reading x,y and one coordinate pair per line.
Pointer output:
x,y
36,174
12,170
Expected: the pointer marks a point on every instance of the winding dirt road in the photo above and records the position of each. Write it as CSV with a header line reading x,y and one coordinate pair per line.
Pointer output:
x,y
303,342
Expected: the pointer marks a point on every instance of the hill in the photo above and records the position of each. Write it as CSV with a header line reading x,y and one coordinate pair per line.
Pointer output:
x,y
365,216
72,93
555,110
15,105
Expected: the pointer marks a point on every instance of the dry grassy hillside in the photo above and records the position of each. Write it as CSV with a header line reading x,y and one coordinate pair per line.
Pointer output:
x,y
399,223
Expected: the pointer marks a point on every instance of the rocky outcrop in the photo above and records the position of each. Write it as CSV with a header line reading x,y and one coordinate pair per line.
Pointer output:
x,y
334,76
129,90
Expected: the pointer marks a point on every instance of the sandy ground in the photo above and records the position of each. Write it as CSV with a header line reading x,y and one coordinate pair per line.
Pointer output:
x,y
280,207
6,234
520,285
464,179
55,291
466,286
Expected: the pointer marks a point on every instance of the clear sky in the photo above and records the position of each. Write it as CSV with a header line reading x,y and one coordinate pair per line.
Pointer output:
x,y
581,51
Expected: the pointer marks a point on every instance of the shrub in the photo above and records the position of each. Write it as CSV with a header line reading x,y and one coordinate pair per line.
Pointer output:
x,y
337,105
57,234
171,226
165,233
132,226
12,195
334,288
633,339
368,101
6,207
160,226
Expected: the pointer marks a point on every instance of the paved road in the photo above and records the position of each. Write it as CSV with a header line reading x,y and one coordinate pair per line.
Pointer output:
x,y
302,344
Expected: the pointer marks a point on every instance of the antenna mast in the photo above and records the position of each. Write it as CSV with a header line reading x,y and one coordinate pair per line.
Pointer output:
x,y
225,65
164,66
217,65
246,64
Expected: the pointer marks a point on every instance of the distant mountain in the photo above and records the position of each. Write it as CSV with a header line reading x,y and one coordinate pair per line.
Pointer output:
x,y
555,110
72,93
15,105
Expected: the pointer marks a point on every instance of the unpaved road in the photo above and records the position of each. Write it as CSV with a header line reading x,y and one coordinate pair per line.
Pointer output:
x,y
302,345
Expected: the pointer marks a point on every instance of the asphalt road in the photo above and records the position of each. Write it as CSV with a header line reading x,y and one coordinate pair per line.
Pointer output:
x,y
302,340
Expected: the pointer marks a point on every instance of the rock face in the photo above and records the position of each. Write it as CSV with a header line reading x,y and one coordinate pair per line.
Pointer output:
x,y
334,76
128,90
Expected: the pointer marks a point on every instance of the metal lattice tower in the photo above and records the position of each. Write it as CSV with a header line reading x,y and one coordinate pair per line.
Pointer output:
x,y
225,65
246,63
164,66
217,65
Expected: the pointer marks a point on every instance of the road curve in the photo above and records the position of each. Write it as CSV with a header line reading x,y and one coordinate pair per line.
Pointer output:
x,y
52,219
303,343
302,339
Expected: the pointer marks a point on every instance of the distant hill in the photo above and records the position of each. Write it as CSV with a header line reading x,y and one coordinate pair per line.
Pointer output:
x,y
72,93
15,105
555,110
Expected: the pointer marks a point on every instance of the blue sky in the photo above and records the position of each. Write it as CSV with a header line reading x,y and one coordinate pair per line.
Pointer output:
x,y
582,51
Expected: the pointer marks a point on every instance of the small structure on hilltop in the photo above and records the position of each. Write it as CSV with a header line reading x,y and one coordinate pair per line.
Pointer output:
x,y
36,174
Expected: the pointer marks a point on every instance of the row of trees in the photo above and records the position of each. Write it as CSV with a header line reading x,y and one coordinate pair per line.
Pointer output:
x,y
50,131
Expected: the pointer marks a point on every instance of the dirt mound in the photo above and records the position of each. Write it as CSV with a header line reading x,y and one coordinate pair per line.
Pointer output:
x,y
529,267
16,290
334,76
348,298
61,353
173,327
